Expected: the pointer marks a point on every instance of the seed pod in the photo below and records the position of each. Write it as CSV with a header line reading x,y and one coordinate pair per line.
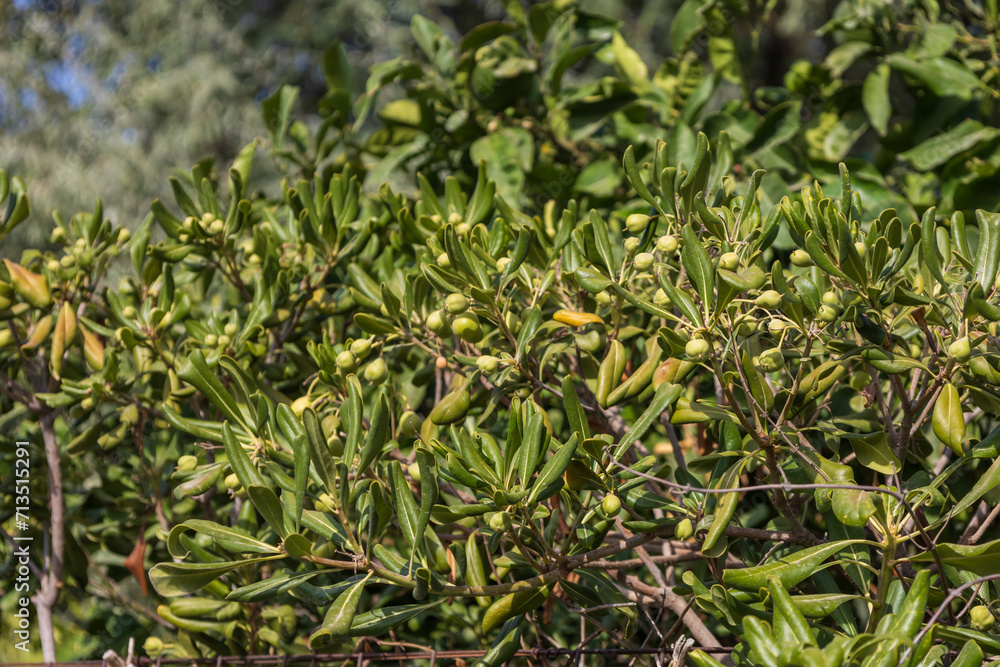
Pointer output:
x,y
30,286
452,408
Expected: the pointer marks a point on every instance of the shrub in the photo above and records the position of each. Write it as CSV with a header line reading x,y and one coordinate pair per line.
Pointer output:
x,y
763,419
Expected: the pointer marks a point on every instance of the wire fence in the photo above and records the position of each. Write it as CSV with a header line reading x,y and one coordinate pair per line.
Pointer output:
x,y
320,660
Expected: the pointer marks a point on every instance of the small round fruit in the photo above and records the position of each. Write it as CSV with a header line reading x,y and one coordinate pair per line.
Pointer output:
x,y
637,223
961,350
456,303
861,248
981,619
463,228
444,261
211,340
467,327
851,298
746,327
666,244
502,264
438,324
128,311
771,361
769,299
347,362
454,217
232,482
684,530
67,261
187,463
58,236
801,258
611,505
698,349
497,522
661,299
603,298
729,261
827,313
152,646
631,243
831,298
230,329
488,364
414,470
300,404
644,261
53,265
776,326
376,372
440,363
124,235
223,341
361,347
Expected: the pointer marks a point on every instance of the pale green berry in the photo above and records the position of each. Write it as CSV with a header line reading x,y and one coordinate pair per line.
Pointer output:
x,y
347,362
729,261
637,223
631,243
644,261
666,244
801,258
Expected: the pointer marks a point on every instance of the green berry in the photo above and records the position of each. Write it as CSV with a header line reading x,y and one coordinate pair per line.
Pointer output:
x,y
861,248
771,361
611,505
666,244
801,258
769,299
232,482
981,619
637,223
729,261
631,243
187,463
644,261
827,313
698,349
776,326
128,312
488,364
831,298
661,299
456,303
230,329
211,340
467,327
361,347
347,362
152,646
414,470
961,350
438,324
684,530
224,341
376,372
455,217
444,261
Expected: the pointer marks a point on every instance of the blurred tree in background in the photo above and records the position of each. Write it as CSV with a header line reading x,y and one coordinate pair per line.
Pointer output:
x,y
102,98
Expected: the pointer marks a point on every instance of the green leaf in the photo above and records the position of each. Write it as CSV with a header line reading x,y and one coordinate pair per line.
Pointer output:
x,y
789,570
699,267
726,506
979,559
509,156
947,420
873,451
635,178
351,414
272,587
529,328
277,112
984,483
319,453
269,507
339,617
943,146
229,539
380,621
665,396
852,507
943,76
407,511
552,470
173,579
574,410
194,370
875,98
240,462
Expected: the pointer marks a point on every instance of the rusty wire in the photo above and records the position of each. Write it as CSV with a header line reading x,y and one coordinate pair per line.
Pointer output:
x,y
318,659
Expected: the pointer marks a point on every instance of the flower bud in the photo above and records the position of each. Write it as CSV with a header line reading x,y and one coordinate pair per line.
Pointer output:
x,y
455,217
